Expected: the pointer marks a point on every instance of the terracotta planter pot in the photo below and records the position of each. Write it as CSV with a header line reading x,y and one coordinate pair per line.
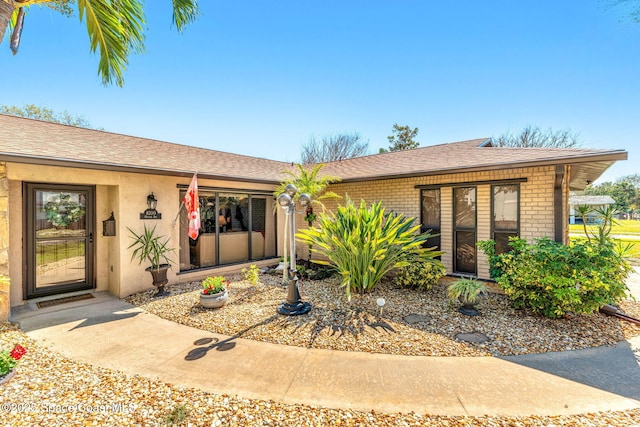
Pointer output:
x,y
214,300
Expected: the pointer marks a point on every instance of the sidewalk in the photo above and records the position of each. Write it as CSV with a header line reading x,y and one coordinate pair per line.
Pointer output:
x,y
111,333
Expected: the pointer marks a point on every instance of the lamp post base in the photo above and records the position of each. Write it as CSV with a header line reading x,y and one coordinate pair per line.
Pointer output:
x,y
294,309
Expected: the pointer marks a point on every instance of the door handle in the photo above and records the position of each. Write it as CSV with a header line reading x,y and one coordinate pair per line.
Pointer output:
x,y
90,237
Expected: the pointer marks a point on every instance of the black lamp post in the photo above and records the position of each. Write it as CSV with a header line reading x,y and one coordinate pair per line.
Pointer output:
x,y
293,305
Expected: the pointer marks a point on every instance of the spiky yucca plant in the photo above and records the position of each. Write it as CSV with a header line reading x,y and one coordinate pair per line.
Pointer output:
x,y
364,243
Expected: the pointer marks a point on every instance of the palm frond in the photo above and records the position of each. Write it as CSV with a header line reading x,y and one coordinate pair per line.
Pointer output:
x,y
184,13
115,30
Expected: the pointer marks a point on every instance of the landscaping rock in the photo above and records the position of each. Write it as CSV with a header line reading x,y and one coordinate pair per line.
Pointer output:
x,y
473,337
414,318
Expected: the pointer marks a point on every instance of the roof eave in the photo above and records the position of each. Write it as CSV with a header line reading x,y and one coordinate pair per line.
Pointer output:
x,y
611,156
49,161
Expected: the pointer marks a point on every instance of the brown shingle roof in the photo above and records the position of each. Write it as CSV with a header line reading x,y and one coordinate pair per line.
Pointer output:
x,y
465,156
52,143
33,141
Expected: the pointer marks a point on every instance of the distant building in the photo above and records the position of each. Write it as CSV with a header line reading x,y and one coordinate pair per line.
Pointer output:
x,y
594,202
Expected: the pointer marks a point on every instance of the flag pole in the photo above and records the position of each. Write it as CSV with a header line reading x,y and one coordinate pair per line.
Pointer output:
x,y
173,223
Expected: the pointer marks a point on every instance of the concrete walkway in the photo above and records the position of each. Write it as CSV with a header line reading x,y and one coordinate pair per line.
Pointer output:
x,y
111,333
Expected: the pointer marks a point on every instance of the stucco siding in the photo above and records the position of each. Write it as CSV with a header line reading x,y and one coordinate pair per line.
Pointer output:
x,y
125,195
4,242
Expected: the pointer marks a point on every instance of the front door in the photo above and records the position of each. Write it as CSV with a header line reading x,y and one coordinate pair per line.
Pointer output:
x,y
59,236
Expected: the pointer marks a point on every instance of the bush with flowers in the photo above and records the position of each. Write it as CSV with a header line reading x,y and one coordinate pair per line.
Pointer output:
x,y
9,359
214,285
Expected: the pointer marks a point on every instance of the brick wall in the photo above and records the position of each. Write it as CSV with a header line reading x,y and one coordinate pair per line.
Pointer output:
x,y
400,195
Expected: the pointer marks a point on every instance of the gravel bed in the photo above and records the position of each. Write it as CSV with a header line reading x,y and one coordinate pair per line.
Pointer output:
x,y
410,323
51,390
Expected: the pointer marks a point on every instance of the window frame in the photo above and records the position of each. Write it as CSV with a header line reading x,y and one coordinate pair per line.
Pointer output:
x,y
495,230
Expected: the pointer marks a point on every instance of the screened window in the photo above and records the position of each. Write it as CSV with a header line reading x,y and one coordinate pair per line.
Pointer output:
x,y
505,215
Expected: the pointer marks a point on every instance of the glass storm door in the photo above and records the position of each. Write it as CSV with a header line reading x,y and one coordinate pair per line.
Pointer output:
x,y
431,217
464,228
59,238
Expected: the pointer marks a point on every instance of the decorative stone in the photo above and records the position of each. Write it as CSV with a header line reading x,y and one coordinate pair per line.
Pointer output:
x,y
473,337
414,318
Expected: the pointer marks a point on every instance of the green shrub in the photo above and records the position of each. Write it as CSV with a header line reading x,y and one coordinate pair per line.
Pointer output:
x,y
363,244
552,279
251,274
420,275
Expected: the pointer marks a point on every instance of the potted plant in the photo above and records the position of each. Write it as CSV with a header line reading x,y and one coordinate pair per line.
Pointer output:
x,y
467,291
214,292
155,249
8,362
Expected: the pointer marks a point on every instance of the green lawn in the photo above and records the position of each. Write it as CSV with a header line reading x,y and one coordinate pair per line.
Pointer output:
x,y
626,227
622,227
633,252
58,250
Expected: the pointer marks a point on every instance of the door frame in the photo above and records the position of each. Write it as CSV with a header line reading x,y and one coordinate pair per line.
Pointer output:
x,y
473,229
29,190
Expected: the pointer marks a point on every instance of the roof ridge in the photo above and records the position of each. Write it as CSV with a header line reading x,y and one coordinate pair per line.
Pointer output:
x,y
399,152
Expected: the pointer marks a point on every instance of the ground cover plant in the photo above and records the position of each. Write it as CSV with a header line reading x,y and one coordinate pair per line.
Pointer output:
x,y
420,275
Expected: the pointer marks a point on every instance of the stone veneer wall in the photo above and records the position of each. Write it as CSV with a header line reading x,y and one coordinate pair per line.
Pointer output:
x,y
4,242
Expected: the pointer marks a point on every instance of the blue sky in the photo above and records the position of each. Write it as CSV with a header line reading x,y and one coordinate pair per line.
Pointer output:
x,y
261,77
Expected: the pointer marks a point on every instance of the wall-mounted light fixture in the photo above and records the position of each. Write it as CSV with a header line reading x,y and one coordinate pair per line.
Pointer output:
x,y
109,226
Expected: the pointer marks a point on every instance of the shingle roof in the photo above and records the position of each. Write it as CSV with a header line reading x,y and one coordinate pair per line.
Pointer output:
x,y
465,156
53,143
33,141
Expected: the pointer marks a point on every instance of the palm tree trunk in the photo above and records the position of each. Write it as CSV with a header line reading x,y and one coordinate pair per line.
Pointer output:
x,y
6,10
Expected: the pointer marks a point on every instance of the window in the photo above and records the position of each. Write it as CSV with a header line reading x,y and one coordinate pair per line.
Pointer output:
x,y
505,215
430,212
236,227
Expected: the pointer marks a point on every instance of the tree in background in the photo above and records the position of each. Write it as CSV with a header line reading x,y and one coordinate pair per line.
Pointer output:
x,y
401,138
334,147
625,191
115,28
631,179
531,137
632,6
31,111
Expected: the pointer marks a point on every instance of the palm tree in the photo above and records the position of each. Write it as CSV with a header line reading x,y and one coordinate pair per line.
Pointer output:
x,y
307,181
115,27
